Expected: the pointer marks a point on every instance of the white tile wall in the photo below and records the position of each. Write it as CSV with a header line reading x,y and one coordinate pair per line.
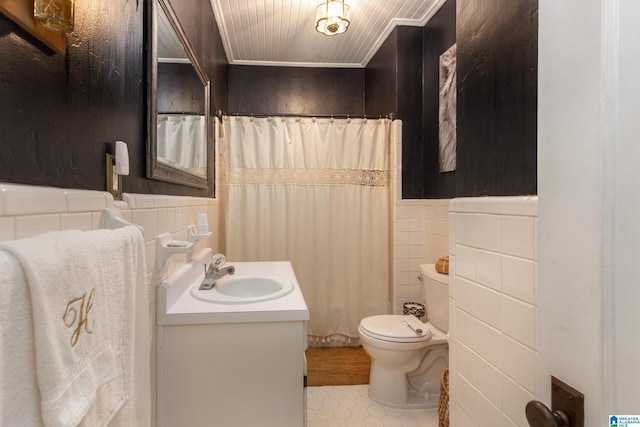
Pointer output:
x,y
420,235
493,300
26,211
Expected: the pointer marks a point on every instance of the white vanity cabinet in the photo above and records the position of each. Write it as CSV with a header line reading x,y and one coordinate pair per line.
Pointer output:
x,y
232,375
230,365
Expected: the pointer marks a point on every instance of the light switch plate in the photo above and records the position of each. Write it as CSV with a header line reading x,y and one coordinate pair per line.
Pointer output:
x,y
568,400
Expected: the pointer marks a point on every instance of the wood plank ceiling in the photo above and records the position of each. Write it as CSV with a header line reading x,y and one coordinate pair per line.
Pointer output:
x,y
282,32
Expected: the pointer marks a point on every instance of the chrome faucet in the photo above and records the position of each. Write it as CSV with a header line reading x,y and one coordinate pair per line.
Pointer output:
x,y
215,272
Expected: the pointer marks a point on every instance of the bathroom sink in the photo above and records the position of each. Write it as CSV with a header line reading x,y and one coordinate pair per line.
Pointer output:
x,y
244,290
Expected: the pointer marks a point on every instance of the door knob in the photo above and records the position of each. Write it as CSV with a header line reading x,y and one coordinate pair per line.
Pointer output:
x,y
538,415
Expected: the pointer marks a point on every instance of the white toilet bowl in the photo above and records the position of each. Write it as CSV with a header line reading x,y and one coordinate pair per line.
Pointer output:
x,y
396,351
406,366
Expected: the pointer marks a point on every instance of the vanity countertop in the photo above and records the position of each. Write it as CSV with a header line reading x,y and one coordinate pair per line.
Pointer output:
x,y
176,305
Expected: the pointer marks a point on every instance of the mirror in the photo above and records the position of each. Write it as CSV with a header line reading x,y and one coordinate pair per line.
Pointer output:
x,y
179,124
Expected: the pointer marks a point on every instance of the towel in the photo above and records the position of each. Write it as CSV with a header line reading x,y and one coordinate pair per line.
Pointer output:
x,y
19,395
135,335
84,289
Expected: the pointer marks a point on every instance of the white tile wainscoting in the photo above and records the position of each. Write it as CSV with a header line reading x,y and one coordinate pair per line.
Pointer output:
x,y
26,211
493,304
493,244
420,235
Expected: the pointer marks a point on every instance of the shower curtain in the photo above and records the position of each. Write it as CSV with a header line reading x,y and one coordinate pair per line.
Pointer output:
x,y
314,192
182,141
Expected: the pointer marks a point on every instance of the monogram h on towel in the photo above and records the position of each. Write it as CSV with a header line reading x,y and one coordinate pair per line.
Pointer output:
x,y
78,302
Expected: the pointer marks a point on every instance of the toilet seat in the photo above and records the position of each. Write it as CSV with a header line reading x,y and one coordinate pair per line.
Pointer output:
x,y
390,328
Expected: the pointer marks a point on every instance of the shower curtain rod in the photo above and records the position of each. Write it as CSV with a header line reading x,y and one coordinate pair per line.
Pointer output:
x,y
390,116
180,113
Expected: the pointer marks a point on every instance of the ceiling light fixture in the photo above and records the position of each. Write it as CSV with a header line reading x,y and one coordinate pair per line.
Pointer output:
x,y
332,17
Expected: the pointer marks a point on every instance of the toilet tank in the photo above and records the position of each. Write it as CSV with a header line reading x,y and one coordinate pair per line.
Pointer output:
x,y
436,296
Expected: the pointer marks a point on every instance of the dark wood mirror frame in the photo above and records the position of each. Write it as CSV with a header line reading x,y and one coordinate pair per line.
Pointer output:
x,y
155,169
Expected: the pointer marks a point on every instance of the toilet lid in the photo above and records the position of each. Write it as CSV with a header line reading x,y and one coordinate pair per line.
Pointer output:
x,y
391,327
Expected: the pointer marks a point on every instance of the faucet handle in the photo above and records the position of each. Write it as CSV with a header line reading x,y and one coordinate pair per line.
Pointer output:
x,y
217,261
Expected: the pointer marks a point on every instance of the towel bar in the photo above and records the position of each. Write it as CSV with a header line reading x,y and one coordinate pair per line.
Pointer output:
x,y
113,219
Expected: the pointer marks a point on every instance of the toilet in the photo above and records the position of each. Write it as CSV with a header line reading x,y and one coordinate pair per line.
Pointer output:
x,y
406,366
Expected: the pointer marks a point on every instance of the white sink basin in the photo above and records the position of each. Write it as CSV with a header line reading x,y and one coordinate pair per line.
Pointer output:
x,y
180,304
244,290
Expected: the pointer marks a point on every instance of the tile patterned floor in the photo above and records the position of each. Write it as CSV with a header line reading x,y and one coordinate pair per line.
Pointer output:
x,y
349,406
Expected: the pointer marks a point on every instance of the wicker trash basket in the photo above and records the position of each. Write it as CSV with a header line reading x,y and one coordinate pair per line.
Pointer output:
x,y
443,408
442,265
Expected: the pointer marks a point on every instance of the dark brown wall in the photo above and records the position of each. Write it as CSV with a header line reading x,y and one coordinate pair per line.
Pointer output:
x,y
497,78
58,113
296,90
403,75
497,97
381,79
439,35
409,100
203,33
393,85
179,89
